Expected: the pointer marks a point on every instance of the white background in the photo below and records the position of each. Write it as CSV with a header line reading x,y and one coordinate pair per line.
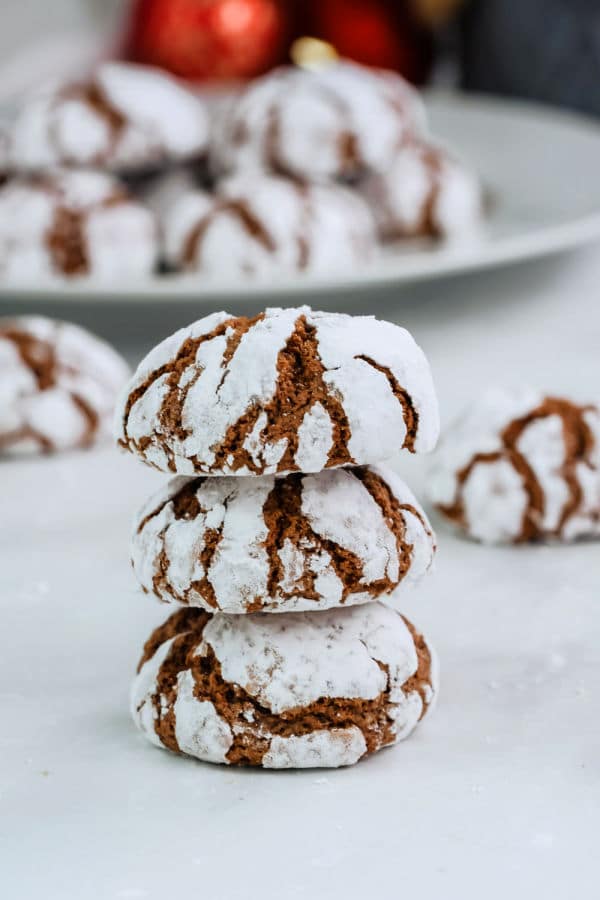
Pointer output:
x,y
27,20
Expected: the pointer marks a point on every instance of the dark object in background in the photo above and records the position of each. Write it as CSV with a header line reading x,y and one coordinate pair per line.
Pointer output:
x,y
220,40
387,34
209,39
547,50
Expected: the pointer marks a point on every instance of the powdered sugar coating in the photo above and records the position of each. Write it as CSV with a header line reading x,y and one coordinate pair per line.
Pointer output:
x,y
298,673
337,121
199,730
425,191
280,659
58,386
161,191
259,225
143,711
315,439
74,224
224,381
126,117
345,536
340,747
520,465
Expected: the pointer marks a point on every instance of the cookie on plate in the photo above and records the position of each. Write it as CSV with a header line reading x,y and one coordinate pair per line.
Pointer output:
x,y
334,122
288,390
297,690
256,225
521,466
424,192
302,542
125,118
73,224
58,385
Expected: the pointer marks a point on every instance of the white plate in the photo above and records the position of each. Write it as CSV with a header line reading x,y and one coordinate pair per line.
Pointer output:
x,y
540,166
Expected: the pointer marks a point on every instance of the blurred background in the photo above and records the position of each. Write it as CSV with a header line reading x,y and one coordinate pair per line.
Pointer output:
x,y
541,50
547,50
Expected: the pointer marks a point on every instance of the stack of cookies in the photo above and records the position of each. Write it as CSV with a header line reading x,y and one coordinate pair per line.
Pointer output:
x,y
282,542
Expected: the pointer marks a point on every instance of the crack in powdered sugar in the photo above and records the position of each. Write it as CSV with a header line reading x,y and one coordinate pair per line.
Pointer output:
x,y
225,721
92,96
37,345
66,237
411,417
580,447
262,125
263,389
301,546
251,224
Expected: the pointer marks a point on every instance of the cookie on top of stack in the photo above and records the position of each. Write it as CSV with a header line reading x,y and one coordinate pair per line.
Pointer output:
x,y
283,542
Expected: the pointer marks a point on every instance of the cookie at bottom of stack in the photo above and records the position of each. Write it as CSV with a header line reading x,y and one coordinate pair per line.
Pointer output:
x,y
296,690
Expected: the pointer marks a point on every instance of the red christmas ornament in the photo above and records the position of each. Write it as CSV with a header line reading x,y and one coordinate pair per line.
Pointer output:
x,y
208,39
381,33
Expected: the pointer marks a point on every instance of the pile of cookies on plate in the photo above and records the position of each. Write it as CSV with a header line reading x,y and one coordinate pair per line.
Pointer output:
x,y
283,542
129,173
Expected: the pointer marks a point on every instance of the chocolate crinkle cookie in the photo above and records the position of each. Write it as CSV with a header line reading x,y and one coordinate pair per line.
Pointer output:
x,y
425,192
302,542
288,390
259,225
521,466
58,385
74,223
296,690
125,118
336,122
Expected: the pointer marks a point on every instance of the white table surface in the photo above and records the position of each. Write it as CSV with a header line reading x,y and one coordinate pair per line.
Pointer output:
x,y
497,794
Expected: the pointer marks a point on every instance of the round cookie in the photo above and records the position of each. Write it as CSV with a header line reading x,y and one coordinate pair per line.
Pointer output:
x,y
302,542
125,118
58,385
258,225
74,224
297,690
337,121
521,466
424,192
288,390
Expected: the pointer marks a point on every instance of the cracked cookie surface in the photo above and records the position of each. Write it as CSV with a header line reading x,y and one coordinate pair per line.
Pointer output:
x,y
425,192
58,386
74,224
289,390
296,690
300,542
258,225
521,466
335,122
126,118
